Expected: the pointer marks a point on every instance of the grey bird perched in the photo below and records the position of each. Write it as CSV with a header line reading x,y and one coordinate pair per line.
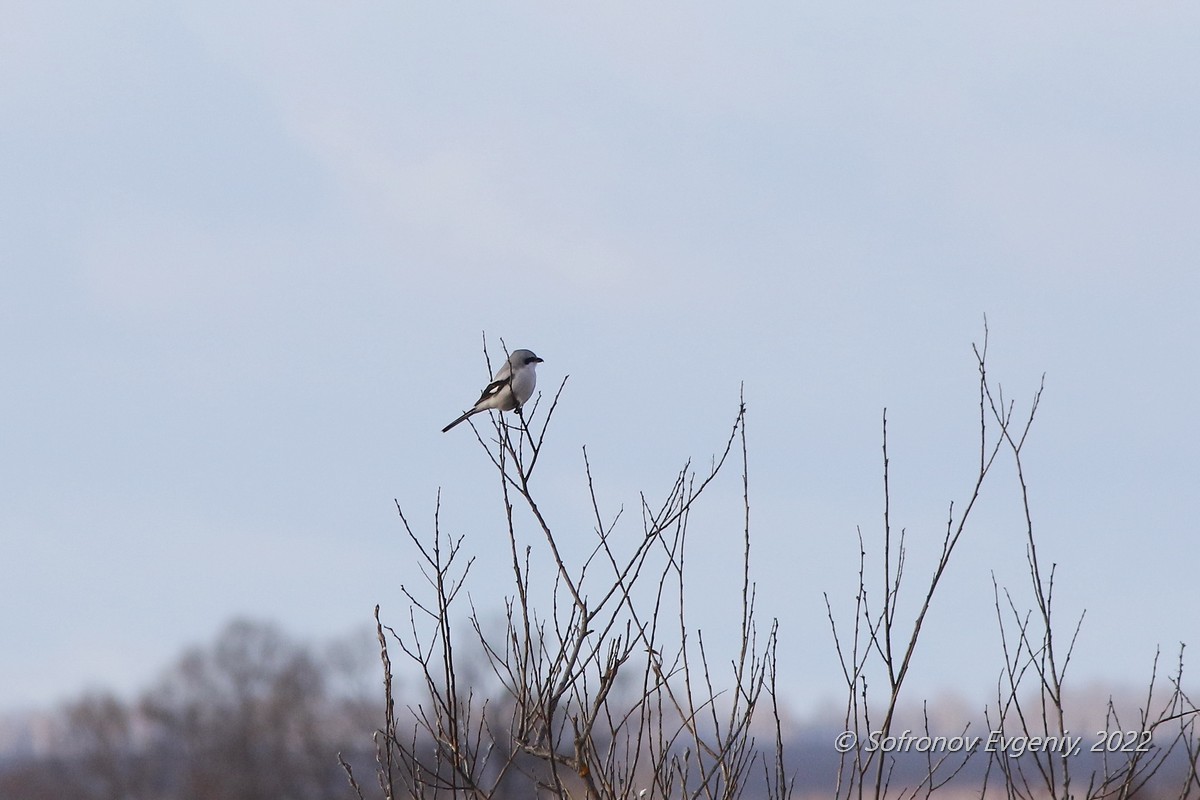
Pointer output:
x,y
511,386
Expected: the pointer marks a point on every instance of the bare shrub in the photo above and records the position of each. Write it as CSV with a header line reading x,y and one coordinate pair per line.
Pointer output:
x,y
601,687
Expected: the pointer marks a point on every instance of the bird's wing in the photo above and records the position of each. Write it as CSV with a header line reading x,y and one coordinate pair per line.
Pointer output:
x,y
492,389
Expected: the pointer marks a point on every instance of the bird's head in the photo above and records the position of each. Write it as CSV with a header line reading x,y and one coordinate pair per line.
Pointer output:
x,y
521,358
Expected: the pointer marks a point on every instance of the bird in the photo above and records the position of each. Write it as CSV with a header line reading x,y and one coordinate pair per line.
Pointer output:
x,y
511,386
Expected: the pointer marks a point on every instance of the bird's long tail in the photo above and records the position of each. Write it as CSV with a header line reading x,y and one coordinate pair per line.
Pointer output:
x,y
460,419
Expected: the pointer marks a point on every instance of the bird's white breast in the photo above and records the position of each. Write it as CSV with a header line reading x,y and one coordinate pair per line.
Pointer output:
x,y
523,383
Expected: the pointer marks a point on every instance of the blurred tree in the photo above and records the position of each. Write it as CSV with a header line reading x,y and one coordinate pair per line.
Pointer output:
x,y
244,719
254,714
110,764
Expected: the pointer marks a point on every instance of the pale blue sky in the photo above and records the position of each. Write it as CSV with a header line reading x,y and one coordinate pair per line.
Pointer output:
x,y
248,250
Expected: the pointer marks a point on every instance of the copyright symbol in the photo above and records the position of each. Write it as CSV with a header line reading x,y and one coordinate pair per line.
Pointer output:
x,y
845,741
